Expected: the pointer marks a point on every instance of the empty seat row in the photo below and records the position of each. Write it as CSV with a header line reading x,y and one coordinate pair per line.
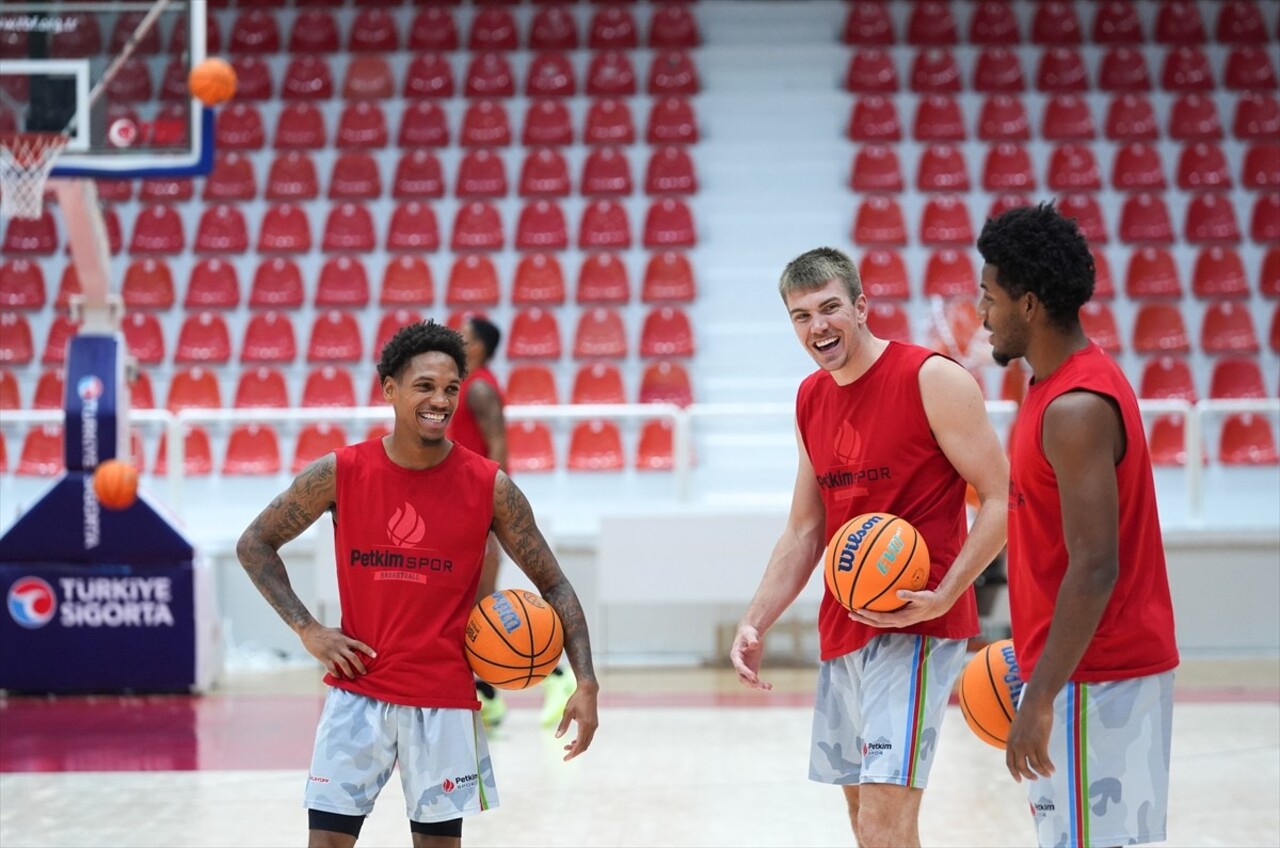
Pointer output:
x,y
1243,439
1062,70
484,123
1144,218
933,23
478,225
1226,328
480,172
344,281
1150,272
1166,377
1065,118
1007,166
335,336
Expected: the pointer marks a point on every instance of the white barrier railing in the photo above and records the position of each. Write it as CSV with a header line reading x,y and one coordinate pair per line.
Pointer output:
x,y
683,422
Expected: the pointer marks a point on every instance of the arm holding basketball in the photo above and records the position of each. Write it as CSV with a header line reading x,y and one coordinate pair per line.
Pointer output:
x,y
1083,440
297,508
958,418
486,406
794,557
518,533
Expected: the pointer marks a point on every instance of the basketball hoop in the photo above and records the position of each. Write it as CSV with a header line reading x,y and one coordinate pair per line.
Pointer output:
x,y
25,162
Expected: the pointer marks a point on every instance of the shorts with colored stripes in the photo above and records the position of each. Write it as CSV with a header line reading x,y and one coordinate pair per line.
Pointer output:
x,y
879,710
442,753
1110,750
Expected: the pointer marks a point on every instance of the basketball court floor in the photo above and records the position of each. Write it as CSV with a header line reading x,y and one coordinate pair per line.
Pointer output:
x,y
683,757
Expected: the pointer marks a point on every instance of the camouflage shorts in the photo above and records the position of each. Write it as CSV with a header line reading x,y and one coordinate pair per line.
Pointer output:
x,y
879,709
442,753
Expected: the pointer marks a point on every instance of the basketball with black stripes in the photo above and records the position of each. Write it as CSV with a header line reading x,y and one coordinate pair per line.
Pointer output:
x,y
989,690
873,556
513,639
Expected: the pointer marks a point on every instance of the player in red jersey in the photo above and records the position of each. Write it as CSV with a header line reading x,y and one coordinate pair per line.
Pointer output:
x,y
1088,591
412,514
881,427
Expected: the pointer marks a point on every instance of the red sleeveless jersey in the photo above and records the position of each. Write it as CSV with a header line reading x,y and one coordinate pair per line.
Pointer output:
x,y
409,544
463,427
1135,637
873,451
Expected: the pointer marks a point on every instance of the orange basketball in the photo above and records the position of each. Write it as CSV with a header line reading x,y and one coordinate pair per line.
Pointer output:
x,y
116,484
213,81
873,556
514,639
989,691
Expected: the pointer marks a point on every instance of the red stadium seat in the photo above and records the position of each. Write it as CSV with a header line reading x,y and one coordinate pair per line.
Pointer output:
x,y
669,223
609,121
884,275
600,335
535,334
665,381
1264,222
335,337
231,179
1167,441
314,441
9,395
16,344
1211,218
935,70
61,329
550,74
595,445
1117,22
1203,167
433,28
1067,118
598,382
197,457
1261,167
313,31
666,332
477,226
269,337
292,177
222,229
879,222
538,280
203,339
261,388
343,282
1178,22
429,75
1137,167
531,384
489,75
553,28
542,226
876,168
1003,118
874,118
1240,22
606,171
157,229
998,70
361,124
945,221
604,226
871,71
252,449
889,321
547,122
473,281
1055,22
1219,273
1073,168
668,277
938,118
307,77
1228,328
50,389
610,74
253,31
1061,70
544,173
406,280
485,124
1152,274
285,229
1130,117
79,37
132,82
301,126
1099,325
1087,214
1194,117
194,388
1008,168
423,124
111,191
950,274
481,173
671,121
143,337
493,28
602,279
1159,328
213,285
418,175
1124,69
866,24
40,236
1257,116
1167,378
673,25
1247,439
942,168
1249,68
348,227
529,447
68,287
931,24
368,77
22,284
41,452
277,284
672,72
355,177
1237,379
655,449
141,395
1186,68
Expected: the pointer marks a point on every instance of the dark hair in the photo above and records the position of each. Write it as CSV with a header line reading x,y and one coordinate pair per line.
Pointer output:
x,y
815,268
422,337
488,334
1035,249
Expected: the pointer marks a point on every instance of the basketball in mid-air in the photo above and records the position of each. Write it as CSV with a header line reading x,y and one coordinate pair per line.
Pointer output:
x,y
116,484
989,690
213,81
871,557
513,639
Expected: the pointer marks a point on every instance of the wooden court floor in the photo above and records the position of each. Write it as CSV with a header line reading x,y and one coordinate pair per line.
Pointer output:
x,y
684,757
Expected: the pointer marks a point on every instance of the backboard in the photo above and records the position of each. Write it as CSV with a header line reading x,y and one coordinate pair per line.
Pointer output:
x,y
113,75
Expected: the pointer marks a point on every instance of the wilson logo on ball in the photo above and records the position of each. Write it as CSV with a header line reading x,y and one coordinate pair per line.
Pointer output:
x,y
854,540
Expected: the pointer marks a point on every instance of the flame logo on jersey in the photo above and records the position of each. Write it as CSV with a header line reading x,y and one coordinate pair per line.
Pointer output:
x,y
406,527
447,786
847,446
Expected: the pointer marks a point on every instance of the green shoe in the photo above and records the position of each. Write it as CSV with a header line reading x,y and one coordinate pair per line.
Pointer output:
x,y
556,690
492,710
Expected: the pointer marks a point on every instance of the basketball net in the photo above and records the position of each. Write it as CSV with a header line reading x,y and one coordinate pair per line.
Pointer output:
x,y
25,162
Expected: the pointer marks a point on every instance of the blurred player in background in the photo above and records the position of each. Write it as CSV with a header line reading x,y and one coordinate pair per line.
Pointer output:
x,y
881,427
1088,590
480,426
413,515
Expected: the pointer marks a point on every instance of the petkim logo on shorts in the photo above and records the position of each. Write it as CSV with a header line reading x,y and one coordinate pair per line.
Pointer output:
x,y
32,603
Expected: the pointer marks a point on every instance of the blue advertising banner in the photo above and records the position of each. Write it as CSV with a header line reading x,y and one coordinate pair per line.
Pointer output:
x,y
94,408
